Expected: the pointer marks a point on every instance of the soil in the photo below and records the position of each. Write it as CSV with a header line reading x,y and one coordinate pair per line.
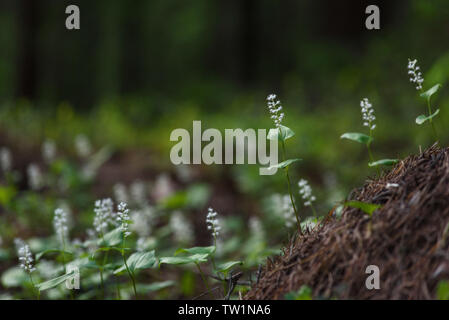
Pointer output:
x,y
407,238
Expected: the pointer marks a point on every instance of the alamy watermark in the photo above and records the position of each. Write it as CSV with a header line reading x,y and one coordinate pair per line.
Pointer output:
x,y
190,150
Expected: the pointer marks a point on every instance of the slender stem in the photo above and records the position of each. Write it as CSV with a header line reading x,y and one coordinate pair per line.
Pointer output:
x,y
127,268
313,210
119,296
429,108
298,221
64,263
38,292
204,279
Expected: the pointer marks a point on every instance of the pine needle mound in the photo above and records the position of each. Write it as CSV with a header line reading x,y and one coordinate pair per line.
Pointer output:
x,y
407,238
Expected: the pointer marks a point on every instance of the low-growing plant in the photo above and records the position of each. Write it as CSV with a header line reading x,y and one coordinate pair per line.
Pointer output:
x,y
416,77
368,121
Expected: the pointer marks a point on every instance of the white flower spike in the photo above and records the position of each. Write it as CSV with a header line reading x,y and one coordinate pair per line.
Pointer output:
x,y
415,74
367,114
123,218
212,222
275,108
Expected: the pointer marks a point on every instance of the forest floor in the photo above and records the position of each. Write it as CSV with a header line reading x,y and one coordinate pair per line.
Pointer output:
x,y
407,238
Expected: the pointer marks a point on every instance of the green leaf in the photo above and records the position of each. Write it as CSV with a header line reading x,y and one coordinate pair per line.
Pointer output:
x,y
54,282
304,293
423,118
357,137
383,162
111,238
429,93
49,251
284,164
227,266
443,290
197,250
282,133
196,258
155,286
139,260
366,207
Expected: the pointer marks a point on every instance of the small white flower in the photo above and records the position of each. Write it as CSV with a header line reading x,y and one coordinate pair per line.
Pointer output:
x,y
25,256
123,218
143,220
306,192
104,215
288,213
415,74
49,151
35,178
60,224
82,146
367,114
212,222
181,227
275,108
5,159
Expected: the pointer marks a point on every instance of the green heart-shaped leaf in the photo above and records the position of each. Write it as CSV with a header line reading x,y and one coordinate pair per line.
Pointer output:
x,y
383,162
139,260
422,118
282,133
429,93
284,164
196,250
54,282
227,266
366,207
357,137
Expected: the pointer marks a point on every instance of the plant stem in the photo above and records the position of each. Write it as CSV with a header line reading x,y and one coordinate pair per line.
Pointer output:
x,y
313,210
429,108
204,279
38,293
127,268
298,221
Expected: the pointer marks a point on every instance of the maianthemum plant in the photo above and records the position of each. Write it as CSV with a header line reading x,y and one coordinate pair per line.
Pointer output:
x,y
416,77
368,121
282,133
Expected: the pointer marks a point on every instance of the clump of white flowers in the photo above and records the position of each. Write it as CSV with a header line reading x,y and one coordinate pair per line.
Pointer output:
x,y
138,192
49,151
275,108
35,178
288,213
181,227
82,146
104,215
367,114
5,159
123,218
25,256
306,192
212,222
60,224
415,74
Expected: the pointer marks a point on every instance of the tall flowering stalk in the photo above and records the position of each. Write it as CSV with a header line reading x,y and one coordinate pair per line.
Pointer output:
x,y
26,260
213,224
368,119
305,190
283,133
414,71
123,221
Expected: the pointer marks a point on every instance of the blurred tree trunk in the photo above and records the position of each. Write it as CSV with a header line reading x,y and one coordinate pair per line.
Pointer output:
x,y
28,24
